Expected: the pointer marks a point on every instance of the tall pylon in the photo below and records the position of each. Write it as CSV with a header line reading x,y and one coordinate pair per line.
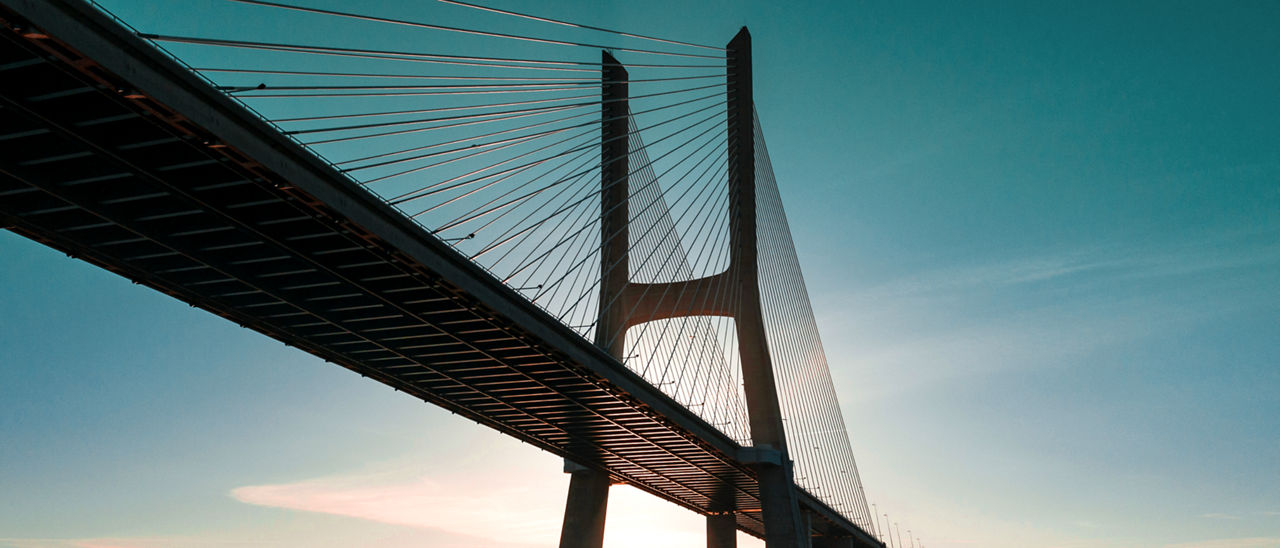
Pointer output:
x,y
783,523
624,303
588,499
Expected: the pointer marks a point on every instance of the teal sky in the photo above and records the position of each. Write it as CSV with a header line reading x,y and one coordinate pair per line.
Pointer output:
x,y
1042,241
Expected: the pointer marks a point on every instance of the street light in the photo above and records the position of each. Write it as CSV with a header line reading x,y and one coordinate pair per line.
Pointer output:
x,y
875,526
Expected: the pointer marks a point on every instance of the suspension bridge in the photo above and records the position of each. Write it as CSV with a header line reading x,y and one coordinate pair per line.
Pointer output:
x,y
582,247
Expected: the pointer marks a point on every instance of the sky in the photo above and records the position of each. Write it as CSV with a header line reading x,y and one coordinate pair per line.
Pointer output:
x,y
1043,245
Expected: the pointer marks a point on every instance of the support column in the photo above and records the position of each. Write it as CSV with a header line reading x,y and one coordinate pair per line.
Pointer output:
x,y
833,542
780,509
722,520
584,512
722,530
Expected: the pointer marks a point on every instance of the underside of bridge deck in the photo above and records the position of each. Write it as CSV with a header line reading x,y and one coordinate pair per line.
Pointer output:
x,y
125,159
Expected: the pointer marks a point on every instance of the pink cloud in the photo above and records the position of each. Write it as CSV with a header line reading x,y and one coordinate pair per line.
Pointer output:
x,y
102,542
491,506
525,510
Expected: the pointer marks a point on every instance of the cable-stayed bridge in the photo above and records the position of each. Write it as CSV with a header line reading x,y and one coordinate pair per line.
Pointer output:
x,y
582,246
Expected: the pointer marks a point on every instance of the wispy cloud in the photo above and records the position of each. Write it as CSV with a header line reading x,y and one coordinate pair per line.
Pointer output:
x,y
310,530
1252,542
470,501
1206,253
1216,515
109,542
461,504
324,536
1048,307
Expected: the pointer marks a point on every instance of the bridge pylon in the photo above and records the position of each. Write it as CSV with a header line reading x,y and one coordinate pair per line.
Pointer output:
x,y
783,523
624,303
584,513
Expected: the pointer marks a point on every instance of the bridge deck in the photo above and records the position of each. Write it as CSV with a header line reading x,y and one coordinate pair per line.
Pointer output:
x,y
129,161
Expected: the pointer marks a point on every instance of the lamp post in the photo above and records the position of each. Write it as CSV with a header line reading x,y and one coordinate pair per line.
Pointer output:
x,y
875,524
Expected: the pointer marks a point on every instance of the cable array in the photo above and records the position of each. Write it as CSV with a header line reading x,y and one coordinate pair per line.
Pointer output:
x,y
817,439
500,156
695,356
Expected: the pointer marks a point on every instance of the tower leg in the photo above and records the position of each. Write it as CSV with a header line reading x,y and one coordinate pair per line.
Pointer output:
x,y
722,531
833,542
584,511
780,509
